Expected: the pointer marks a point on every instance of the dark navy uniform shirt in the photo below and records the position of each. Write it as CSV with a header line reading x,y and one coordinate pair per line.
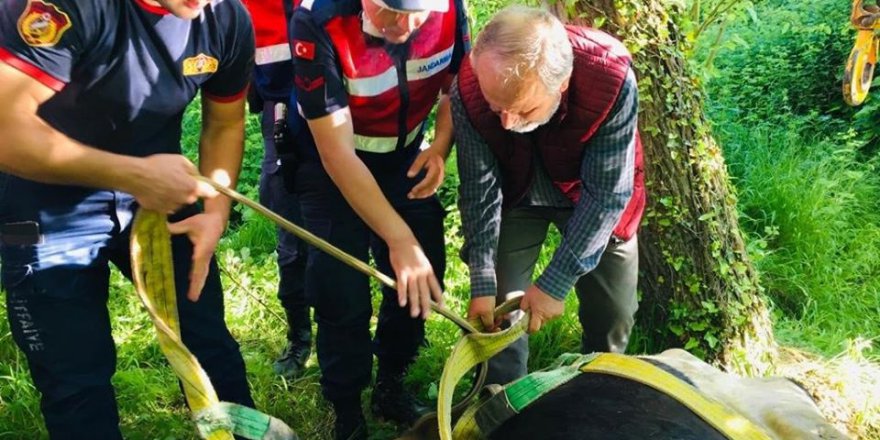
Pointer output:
x,y
124,70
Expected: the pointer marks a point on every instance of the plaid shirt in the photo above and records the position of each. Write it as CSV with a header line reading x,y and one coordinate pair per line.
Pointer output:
x,y
607,170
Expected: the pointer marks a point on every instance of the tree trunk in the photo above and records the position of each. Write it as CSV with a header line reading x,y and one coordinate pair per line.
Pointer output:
x,y
699,289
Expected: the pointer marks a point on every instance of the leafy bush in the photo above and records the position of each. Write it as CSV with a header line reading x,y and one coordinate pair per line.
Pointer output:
x,y
807,191
786,59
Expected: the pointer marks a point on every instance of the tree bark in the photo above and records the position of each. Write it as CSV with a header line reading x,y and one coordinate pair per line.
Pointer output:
x,y
699,288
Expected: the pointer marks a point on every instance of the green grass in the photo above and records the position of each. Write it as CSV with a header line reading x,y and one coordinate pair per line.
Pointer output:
x,y
150,402
807,184
811,207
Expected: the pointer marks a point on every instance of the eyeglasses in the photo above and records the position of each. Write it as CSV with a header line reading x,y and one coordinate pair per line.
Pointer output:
x,y
401,16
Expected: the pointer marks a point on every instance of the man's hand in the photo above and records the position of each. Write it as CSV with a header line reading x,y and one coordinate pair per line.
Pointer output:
x,y
166,182
433,161
543,307
204,231
416,282
483,307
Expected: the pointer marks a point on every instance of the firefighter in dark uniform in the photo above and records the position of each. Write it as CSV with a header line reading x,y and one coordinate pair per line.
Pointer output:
x,y
94,93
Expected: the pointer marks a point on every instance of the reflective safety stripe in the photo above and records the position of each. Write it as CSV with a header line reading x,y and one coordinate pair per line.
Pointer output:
x,y
373,85
727,421
376,144
417,69
272,54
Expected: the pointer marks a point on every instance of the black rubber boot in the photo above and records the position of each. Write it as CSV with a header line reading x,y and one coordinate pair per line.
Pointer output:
x,y
392,402
350,423
299,325
293,359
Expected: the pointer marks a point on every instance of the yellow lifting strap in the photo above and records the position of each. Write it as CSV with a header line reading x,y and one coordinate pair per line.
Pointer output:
x,y
475,348
471,350
153,274
727,421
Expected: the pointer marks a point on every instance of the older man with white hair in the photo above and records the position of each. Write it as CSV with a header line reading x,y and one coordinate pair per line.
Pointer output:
x,y
367,75
545,123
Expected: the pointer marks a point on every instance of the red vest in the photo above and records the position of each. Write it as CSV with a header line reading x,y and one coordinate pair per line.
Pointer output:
x,y
390,103
274,68
601,64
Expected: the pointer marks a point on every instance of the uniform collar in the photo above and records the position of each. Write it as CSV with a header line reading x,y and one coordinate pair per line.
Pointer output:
x,y
153,9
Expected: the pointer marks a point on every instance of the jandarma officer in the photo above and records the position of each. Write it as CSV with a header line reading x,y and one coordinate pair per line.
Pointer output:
x,y
367,73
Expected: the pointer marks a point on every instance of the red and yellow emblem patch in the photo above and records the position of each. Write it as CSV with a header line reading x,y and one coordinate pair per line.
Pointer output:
x,y
42,24
200,64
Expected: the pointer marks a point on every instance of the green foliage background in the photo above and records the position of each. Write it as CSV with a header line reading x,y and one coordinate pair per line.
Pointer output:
x,y
804,166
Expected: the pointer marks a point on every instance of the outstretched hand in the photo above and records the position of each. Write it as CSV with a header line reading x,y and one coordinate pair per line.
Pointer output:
x,y
416,283
433,161
204,231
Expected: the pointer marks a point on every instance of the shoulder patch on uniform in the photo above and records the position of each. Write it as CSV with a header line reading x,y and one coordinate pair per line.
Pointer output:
x,y
42,24
308,84
199,65
304,49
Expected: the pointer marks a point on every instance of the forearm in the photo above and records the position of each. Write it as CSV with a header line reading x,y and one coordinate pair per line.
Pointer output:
x,y
334,137
480,207
586,235
221,148
443,127
42,154
360,189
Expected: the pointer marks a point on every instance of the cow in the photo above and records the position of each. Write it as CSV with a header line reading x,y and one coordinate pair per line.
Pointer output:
x,y
607,406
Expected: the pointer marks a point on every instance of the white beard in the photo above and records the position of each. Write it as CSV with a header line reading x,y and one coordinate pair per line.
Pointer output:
x,y
532,126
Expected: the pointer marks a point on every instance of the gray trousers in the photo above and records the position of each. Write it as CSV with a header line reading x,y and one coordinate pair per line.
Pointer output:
x,y
607,294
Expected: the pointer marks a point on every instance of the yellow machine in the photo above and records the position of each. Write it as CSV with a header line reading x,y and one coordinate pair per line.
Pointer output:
x,y
860,66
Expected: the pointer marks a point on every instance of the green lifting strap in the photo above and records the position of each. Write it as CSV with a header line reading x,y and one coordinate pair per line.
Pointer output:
x,y
492,410
530,388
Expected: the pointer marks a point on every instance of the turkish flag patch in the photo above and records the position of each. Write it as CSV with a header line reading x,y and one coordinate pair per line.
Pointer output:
x,y
308,84
304,49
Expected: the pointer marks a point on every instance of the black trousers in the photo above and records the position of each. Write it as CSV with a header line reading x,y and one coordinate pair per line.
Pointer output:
x,y
341,295
291,250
